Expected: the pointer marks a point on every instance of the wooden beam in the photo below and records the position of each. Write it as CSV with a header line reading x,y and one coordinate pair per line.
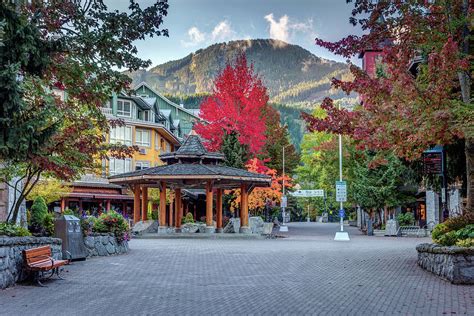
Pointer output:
x,y
136,204
163,204
209,204
144,203
178,211
219,210
244,206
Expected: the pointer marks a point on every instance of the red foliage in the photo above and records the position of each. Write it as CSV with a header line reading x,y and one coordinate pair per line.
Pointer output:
x,y
400,112
236,105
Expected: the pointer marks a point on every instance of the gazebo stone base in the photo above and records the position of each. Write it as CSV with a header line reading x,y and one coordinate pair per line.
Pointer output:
x,y
210,229
162,230
219,230
245,230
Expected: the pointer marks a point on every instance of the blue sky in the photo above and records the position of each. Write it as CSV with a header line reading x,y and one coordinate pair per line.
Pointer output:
x,y
195,24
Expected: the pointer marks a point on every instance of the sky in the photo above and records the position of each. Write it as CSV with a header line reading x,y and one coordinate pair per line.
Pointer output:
x,y
195,24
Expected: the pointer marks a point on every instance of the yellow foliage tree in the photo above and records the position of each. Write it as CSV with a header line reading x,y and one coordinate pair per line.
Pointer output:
x,y
50,189
260,196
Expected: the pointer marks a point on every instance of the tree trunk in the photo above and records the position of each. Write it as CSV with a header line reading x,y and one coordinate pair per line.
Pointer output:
x,y
469,150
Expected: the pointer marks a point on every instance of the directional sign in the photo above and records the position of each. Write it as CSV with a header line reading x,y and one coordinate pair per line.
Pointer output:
x,y
341,191
308,193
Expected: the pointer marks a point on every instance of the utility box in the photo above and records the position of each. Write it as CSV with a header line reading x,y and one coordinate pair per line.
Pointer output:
x,y
68,228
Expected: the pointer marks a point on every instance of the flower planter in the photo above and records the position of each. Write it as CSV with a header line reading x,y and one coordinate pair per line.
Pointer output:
x,y
455,264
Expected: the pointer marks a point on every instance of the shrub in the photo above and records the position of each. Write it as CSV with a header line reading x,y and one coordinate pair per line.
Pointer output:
x,y
153,214
438,231
469,242
455,231
13,230
87,224
189,218
48,224
38,211
405,219
112,222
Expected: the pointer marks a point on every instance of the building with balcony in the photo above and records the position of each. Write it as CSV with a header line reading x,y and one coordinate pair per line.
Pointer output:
x,y
152,123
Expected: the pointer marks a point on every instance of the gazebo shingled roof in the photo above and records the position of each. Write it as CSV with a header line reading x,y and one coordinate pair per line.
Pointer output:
x,y
193,162
192,167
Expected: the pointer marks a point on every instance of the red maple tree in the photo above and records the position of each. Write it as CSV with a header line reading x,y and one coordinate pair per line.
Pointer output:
x,y
400,111
236,105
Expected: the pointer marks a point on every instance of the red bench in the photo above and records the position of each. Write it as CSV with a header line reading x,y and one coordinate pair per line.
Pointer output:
x,y
39,261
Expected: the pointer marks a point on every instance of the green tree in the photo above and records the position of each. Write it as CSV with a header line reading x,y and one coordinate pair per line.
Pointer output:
x,y
59,46
38,212
277,138
236,154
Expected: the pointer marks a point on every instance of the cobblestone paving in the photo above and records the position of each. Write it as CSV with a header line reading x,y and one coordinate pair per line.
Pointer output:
x,y
307,273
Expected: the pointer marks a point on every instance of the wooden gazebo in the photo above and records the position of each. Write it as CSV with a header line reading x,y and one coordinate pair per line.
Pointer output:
x,y
191,167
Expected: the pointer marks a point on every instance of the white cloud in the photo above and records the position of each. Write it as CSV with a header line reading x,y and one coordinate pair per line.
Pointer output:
x,y
284,29
278,29
222,31
195,37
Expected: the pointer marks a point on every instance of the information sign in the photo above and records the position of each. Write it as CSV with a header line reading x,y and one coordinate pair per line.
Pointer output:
x,y
341,191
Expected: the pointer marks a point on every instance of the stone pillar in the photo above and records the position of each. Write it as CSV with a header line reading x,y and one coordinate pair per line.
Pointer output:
x,y
244,210
162,228
144,203
219,211
432,209
136,204
209,227
178,211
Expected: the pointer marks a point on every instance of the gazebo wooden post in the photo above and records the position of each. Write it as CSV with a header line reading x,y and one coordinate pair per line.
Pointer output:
x,y
209,227
136,204
170,215
219,211
178,210
107,208
144,203
244,210
162,228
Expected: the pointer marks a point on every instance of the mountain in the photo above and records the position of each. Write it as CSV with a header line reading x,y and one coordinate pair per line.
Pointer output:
x,y
291,73
296,79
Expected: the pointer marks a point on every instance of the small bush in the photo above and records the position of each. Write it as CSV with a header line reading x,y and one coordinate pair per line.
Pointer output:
x,y
465,243
189,218
38,211
112,222
48,224
10,230
87,224
457,231
153,214
405,219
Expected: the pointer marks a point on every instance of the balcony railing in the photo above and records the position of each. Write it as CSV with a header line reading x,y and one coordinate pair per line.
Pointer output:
x,y
106,111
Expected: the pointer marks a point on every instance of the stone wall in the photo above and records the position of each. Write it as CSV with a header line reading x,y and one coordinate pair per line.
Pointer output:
x,y
455,264
11,257
104,245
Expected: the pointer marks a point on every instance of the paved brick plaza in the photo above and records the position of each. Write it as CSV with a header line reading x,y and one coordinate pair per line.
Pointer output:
x,y
307,273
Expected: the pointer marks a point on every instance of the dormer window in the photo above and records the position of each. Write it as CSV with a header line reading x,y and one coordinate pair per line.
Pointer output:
x,y
144,116
124,108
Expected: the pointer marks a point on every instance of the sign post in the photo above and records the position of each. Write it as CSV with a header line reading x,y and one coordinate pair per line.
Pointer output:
x,y
341,196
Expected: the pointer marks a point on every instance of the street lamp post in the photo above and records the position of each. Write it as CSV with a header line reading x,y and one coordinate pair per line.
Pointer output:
x,y
283,227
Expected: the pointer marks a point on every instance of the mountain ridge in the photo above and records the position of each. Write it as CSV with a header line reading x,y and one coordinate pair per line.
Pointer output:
x,y
291,73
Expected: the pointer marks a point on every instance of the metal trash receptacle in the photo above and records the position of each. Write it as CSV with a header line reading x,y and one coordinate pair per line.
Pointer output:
x,y
68,228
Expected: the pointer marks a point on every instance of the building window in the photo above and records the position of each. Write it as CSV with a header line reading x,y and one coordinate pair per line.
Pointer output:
x,y
140,165
118,166
144,116
157,143
124,108
121,134
142,137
